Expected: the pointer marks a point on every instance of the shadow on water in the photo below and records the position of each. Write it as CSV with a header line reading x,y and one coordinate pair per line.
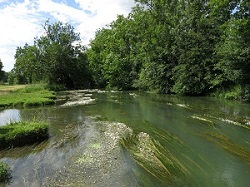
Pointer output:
x,y
136,139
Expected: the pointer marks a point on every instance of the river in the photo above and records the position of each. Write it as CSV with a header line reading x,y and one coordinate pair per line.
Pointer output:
x,y
134,139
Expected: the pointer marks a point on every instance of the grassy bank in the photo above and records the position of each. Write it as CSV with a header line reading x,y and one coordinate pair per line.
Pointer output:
x,y
4,172
23,96
22,133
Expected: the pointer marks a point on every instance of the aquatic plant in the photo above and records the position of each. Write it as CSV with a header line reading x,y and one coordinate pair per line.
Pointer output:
x,y
229,145
5,172
18,134
208,122
155,159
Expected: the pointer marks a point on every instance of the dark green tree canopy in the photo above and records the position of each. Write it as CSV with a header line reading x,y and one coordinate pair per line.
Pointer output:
x,y
1,71
189,47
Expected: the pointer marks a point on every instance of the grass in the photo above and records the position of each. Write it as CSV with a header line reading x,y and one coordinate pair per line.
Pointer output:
x,y
4,89
4,172
18,134
25,96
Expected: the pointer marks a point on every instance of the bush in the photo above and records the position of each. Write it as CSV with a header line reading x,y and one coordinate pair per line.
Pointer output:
x,y
56,87
5,173
233,93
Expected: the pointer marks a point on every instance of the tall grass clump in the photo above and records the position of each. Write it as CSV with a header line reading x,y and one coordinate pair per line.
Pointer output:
x,y
18,134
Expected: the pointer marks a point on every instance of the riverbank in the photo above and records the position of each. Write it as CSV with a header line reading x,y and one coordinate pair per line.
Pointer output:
x,y
24,96
19,134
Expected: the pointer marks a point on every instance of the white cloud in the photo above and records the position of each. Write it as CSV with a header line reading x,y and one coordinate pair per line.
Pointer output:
x,y
22,21
61,11
19,25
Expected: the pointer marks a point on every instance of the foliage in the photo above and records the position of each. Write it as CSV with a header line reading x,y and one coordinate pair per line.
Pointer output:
x,y
22,133
184,47
2,73
56,57
4,172
31,95
175,46
233,93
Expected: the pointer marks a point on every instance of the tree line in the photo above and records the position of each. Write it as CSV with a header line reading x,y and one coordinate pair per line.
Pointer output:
x,y
57,58
186,47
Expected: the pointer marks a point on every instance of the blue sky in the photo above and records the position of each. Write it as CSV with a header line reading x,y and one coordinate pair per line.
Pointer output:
x,y
22,20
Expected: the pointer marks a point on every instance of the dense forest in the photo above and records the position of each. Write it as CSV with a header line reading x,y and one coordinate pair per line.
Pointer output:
x,y
186,47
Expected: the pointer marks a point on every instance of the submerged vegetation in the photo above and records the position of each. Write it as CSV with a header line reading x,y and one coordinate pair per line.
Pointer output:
x,y
228,145
22,133
31,95
155,159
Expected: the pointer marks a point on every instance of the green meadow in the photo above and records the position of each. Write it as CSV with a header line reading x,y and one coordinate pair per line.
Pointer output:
x,y
25,96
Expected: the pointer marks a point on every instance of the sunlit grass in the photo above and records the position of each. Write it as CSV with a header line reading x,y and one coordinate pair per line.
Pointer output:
x,y
31,95
6,89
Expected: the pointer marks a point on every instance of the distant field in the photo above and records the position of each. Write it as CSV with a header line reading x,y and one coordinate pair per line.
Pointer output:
x,y
26,95
4,89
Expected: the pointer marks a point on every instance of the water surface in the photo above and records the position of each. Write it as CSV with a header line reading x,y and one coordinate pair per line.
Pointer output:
x,y
195,141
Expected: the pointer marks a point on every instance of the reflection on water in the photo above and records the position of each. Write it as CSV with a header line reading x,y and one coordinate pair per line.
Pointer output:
x,y
9,115
206,140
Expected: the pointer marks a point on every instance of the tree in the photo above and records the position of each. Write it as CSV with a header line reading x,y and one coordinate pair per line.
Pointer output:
x,y
59,50
57,57
109,56
188,47
2,73
27,66
233,51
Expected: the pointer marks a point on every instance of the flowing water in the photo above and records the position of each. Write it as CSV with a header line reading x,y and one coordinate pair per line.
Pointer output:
x,y
134,139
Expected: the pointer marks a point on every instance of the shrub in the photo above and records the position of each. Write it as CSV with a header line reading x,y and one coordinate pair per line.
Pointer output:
x,y
4,172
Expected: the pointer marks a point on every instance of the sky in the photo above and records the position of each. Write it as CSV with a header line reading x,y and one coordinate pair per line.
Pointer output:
x,y
22,20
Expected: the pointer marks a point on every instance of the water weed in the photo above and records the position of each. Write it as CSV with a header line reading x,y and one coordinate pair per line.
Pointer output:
x,y
228,145
155,159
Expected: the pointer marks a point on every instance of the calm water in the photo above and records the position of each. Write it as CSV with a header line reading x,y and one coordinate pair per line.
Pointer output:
x,y
208,139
